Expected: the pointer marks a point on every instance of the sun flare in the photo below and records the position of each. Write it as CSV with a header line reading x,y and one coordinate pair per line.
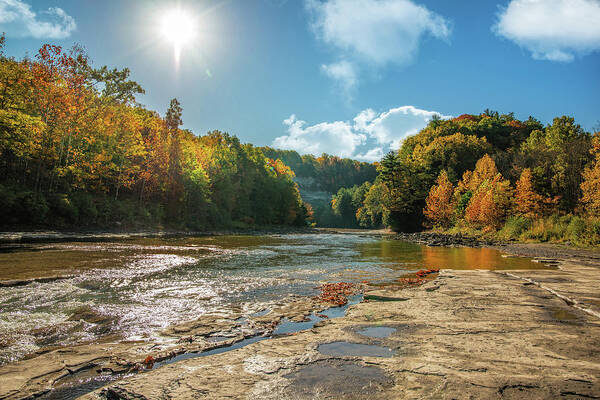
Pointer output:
x,y
178,28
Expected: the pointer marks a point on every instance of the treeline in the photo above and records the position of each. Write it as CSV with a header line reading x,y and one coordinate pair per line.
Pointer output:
x,y
321,177
76,149
489,173
326,172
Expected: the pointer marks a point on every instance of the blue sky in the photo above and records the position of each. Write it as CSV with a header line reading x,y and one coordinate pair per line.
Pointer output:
x,y
350,77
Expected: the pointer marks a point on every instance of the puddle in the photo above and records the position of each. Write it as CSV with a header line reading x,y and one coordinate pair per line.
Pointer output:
x,y
217,339
261,313
284,327
78,389
372,297
377,331
561,314
340,349
336,379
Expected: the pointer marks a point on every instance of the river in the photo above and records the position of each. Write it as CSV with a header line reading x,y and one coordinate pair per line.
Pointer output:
x,y
132,289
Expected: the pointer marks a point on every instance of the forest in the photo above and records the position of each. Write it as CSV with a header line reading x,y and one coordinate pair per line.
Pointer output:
x,y
487,174
319,178
77,150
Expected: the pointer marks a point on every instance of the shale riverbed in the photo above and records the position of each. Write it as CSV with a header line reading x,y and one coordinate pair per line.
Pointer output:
x,y
208,310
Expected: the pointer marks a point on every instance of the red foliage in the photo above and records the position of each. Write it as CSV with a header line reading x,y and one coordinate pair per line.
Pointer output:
x,y
336,293
466,116
411,281
149,362
424,272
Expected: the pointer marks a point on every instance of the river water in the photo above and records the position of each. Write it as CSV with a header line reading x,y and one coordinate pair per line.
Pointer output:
x,y
131,289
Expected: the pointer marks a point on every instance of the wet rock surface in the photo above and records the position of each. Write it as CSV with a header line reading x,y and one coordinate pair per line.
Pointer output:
x,y
463,334
321,379
350,349
443,239
480,334
376,331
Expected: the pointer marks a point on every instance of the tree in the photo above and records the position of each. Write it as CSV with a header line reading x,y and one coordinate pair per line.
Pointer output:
x,y
373,212
590,186
407,186
341,204
528,203
172,121
490,204
557,157
485,170
440,202
488,193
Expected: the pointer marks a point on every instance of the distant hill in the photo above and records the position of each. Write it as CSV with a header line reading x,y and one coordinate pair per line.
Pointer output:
x,y
319,178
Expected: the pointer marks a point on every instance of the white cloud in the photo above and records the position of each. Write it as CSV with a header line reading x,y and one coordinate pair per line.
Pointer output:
x,y
374,32
371,155
556,30
18,20
367,138
392,126
327,137
344,73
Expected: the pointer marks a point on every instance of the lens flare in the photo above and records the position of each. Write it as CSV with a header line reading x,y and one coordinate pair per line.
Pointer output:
x,y
178,28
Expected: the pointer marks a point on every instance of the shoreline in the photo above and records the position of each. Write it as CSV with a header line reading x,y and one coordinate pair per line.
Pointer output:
x,y
52,236
428,238
465,334
504,312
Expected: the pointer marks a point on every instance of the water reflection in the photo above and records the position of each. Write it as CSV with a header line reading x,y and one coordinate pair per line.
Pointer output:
x,y
135,288
398,254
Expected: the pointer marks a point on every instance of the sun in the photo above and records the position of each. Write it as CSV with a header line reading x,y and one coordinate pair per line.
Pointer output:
x,y
179,28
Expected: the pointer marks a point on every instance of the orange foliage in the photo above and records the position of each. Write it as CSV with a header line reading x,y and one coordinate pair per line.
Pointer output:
x,y
466,116
491,195
528,203
485,170
278,167
440,202
489,204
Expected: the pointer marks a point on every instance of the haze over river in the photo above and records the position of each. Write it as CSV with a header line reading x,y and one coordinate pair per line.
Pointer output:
x,y
131,289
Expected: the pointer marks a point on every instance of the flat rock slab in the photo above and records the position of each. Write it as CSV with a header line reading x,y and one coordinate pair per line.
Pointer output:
x,y
349,349
466,334
479,334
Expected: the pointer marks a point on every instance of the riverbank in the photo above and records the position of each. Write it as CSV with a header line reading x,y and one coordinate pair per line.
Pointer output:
x,y
463,334
51,236
466,334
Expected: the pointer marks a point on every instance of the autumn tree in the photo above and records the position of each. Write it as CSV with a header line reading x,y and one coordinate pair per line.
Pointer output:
x,y
373,211
440,205
490,203
590,186
557,156
490,195
173,121
528,202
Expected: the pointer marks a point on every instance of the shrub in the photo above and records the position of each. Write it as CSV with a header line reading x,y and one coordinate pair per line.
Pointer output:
x,y
514,227
576,229
32,207
62,206
7,203
88,213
